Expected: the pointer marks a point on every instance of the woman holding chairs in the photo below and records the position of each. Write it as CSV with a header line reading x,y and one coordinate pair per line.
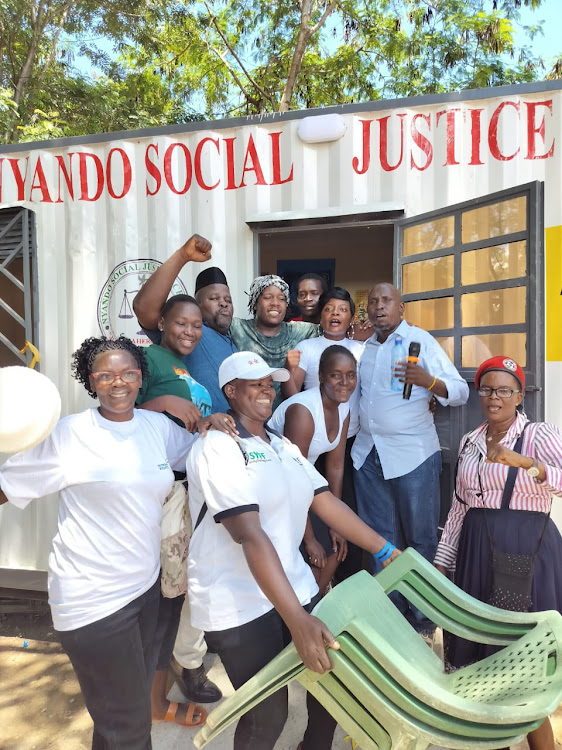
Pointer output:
x,y
250,588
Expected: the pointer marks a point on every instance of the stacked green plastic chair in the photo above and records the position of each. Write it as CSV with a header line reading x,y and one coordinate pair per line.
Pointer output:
x,y
389,691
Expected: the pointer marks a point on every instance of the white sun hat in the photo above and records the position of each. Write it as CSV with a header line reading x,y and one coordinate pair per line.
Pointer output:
x,y
30,407
249,366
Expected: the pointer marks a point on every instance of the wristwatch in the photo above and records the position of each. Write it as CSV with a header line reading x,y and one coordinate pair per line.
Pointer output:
x,y
533,471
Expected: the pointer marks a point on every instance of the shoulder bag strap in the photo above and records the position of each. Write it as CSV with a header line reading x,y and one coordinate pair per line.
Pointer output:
x,y
203,511
512,473
508,491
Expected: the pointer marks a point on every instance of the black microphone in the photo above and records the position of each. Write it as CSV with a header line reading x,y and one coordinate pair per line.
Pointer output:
x,y
413,354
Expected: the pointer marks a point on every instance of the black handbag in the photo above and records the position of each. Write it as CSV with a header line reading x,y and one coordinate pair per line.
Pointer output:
x,y
512,574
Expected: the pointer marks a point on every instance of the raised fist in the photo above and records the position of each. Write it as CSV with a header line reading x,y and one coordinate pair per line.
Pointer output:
x,y
197,249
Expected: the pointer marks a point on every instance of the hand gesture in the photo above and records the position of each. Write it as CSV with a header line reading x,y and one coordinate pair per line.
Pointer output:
x,y
315,552
183,409
293,359
197,248
339,545
413,374
311,637
499,454
361,331
220,422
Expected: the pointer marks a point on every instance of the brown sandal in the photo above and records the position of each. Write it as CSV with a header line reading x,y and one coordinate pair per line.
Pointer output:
x,y
188,721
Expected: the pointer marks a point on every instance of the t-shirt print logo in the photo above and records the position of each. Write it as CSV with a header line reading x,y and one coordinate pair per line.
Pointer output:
x,y
164,466
254,456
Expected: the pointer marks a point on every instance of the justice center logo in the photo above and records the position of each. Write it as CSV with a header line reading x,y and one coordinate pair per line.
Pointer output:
x,y
115,304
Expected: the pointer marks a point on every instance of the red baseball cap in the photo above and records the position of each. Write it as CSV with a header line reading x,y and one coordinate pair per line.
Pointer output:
x,y
501,364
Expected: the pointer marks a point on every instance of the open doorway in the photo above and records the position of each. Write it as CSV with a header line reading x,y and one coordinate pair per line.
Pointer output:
x,y
354,257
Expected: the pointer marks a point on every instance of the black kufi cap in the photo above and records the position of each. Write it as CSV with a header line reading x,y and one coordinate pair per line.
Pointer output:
x,y
210,276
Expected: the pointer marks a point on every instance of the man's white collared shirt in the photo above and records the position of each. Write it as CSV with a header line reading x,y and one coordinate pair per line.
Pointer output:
x,y
402,430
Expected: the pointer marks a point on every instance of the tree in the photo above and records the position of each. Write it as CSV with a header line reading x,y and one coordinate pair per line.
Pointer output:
x,y
162,62
49,96
254,56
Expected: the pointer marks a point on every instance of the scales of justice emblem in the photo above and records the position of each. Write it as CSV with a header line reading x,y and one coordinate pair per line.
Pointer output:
x,y
115,304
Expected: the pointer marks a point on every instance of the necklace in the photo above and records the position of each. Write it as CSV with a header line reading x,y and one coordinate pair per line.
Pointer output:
x,y
495,434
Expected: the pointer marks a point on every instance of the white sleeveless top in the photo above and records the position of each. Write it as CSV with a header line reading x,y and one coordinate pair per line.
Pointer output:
x,y
311,351
311,399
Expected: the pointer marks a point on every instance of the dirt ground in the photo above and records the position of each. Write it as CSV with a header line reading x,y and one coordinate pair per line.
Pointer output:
x,y
40,701
41,707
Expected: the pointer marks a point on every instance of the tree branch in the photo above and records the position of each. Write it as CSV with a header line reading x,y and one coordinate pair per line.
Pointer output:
x,y
330,7
233,53
55,41
305,33
228,66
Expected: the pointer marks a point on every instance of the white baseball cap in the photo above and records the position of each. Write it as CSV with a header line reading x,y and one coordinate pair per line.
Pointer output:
x,y
249,366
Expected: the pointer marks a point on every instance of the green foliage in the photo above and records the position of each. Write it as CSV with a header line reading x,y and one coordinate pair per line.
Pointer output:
x,y
158,62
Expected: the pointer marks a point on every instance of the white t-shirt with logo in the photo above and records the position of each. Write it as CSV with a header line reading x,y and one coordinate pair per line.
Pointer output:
x,y
113,478
278,482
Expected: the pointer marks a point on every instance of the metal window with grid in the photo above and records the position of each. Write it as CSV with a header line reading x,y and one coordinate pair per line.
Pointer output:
x,y
18,284
472,275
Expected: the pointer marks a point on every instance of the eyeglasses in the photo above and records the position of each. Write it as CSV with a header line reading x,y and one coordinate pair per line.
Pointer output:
x,y
108,378
501,392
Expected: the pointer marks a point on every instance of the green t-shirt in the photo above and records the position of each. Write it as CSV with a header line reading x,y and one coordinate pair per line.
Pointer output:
x,y
168,376
272,348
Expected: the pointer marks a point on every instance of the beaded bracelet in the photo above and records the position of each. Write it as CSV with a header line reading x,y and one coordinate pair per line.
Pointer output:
x,y
383,551
431,386
388,554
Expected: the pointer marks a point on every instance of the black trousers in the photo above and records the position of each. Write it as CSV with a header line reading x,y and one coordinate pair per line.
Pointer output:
x,y
114,660
169,614
244,650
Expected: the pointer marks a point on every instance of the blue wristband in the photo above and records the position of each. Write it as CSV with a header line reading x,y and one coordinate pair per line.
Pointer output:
x,y
383,551
388,554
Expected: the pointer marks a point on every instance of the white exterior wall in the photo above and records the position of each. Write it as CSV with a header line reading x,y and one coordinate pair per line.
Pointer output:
x,y
80,241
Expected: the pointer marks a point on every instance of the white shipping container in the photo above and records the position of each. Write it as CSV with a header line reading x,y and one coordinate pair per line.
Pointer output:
x,y
454,198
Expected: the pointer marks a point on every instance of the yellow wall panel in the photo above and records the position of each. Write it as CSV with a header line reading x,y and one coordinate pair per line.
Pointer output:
x,y
553,255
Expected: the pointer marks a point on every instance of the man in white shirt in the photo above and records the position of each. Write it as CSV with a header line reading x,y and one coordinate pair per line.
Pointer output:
x,y
396,455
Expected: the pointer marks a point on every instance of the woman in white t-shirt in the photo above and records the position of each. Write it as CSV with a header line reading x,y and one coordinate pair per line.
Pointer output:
x,y
317,420
250,589
112,467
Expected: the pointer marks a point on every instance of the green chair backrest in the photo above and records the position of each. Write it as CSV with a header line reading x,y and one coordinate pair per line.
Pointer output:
x,y
388,689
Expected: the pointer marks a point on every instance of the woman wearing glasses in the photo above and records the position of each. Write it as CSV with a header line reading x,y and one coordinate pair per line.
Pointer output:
x,y
474,529
113,467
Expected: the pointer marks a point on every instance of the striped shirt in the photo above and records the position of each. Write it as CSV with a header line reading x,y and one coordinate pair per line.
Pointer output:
x,y
481,484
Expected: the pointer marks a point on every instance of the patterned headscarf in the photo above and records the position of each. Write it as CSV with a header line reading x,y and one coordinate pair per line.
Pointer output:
x,y
262,282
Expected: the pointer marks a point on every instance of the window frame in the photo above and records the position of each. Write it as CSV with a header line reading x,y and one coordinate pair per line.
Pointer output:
x,y
533,281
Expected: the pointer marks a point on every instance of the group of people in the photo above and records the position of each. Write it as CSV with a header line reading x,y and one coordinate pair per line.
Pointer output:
x,y
293,415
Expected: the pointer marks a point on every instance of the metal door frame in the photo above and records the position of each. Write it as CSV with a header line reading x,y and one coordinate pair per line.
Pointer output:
x,y
23,246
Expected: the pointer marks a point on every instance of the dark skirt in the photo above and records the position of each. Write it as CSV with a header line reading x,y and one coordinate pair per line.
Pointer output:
x,y
473,573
